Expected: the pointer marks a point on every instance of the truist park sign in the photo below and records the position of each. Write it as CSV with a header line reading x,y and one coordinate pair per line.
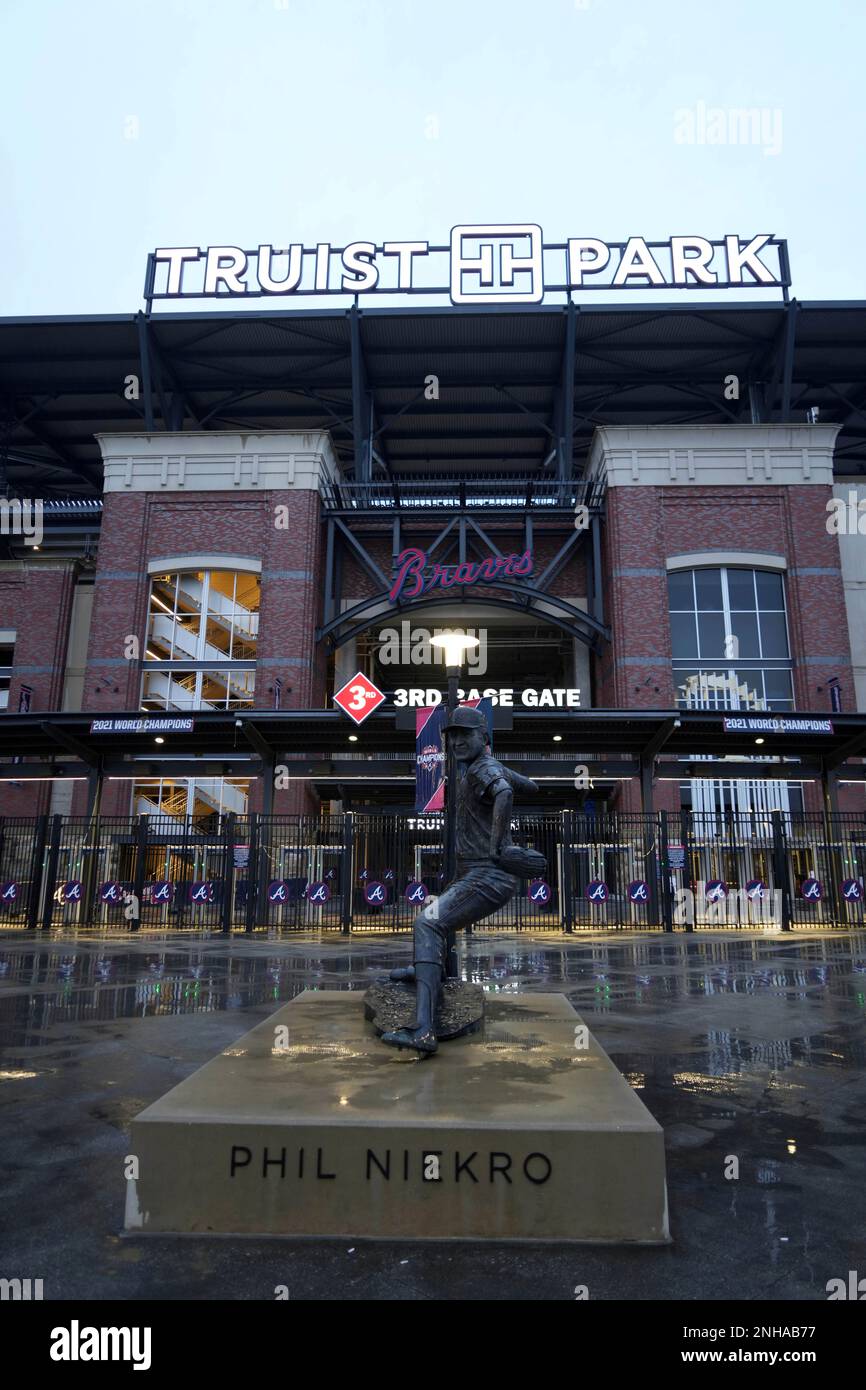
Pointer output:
x,y
496,263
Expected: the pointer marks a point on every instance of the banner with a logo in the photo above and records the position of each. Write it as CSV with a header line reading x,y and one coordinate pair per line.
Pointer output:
x,y
430,722
430,758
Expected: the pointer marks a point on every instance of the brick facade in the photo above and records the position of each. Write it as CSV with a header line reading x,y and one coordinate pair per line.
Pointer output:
x,y
36,600
647,522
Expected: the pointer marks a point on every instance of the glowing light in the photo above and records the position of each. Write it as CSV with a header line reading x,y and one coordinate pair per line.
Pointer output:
x,y
455,645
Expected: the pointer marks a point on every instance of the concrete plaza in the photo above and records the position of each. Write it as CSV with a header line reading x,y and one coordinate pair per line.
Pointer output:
x,y
746,1046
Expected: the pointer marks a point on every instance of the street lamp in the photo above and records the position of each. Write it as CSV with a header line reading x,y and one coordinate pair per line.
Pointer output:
x,y
455,645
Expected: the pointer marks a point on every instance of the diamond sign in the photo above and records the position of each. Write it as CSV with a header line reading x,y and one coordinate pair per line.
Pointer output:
x,y
359,697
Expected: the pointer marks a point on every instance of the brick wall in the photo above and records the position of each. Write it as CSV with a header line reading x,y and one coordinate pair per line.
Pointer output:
x,y
141,527
647,525
36,600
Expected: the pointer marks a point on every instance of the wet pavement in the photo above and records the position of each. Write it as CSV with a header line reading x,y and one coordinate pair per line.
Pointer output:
x,y
745,1046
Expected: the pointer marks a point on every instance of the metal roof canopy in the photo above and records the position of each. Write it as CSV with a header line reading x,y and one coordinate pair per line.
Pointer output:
x,y
311,736
520,389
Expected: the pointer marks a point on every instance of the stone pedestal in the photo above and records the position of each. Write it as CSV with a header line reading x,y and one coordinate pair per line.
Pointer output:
x,y
309,1126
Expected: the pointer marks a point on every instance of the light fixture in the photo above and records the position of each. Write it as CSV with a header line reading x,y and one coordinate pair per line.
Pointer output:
x,y
455,645
158,739
557,738
759,740
353,738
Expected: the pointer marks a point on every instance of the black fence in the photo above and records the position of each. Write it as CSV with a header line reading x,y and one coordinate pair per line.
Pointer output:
x,y
372,872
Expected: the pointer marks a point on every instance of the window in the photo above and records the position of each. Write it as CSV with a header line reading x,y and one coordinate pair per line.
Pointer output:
x,y
7,656
729,639
202,634
203,799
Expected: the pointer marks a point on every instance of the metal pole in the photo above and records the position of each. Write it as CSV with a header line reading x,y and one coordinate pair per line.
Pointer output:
x,y
252,873
664,857
453,673
140,866
51,880
346,873
567,904
780,868
37,868
228,874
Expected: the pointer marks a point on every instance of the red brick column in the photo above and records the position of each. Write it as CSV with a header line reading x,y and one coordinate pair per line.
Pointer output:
x,y
36,600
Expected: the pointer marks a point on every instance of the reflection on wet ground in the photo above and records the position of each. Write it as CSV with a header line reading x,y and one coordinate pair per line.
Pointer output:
x,y
743,1045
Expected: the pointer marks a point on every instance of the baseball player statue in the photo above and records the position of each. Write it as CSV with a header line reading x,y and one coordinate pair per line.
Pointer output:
x,y
489,870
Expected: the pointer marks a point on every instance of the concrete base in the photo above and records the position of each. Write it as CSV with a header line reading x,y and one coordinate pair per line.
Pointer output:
x,y
309,1126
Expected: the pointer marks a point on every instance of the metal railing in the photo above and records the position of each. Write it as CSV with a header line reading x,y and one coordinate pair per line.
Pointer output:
x,y
438,494
369,872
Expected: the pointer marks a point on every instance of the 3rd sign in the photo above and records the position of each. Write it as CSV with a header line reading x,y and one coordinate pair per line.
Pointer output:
x,y
359,697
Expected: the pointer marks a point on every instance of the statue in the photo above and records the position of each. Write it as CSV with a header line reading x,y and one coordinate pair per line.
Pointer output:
x,y
489,869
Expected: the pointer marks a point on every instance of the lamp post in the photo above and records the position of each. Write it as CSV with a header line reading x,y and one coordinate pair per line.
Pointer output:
x,y
455,645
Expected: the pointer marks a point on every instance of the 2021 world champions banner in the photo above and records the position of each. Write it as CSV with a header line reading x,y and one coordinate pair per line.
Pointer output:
x,y
430,751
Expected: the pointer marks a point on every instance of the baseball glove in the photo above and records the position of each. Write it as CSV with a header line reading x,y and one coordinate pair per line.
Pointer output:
x,y
523,863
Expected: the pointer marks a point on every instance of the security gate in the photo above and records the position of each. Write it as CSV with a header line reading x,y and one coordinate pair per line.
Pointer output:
x,y
371,872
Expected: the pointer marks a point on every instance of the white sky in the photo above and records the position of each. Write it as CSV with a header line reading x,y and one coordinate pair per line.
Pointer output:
x,y
341,120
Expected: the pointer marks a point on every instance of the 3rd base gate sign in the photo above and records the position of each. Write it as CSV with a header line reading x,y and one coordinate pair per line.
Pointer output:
x,y
359,697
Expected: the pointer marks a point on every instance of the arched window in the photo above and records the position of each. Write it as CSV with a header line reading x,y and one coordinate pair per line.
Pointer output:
x,y
202,633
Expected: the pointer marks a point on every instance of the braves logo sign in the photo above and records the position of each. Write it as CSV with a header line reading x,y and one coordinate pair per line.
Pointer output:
x,y
539,892
414,574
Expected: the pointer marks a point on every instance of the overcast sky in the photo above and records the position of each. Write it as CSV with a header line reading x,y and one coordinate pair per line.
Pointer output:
x,y
126,126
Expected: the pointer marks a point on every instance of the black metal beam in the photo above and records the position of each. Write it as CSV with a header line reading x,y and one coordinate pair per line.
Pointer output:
x,y
70,743
788,364
660,738
257,741
565,461
362,554
850,749
144,364
360,406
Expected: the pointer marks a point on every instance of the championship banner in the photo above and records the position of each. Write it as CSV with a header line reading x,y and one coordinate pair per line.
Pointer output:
x,y
430,758
430,722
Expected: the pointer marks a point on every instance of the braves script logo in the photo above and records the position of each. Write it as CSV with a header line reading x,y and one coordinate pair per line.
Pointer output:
x,y
411,580
429,756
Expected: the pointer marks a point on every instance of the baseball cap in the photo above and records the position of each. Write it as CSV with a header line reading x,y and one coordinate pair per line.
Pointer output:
x,y
465,717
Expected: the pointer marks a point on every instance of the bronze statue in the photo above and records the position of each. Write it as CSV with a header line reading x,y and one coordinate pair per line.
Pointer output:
x,y
489,869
